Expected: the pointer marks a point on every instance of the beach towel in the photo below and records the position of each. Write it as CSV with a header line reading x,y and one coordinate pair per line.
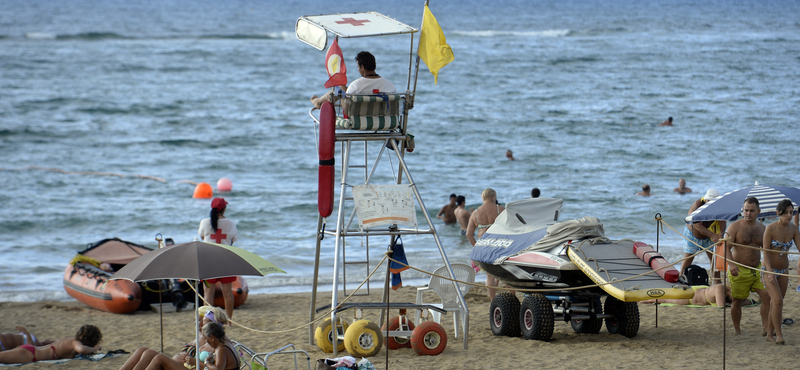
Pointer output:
x,y
94,357
396,268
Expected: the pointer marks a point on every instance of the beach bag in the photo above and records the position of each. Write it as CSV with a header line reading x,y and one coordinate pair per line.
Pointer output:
x,y
696,275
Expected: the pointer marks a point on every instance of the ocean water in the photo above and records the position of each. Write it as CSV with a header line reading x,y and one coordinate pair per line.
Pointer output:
x,y
192,91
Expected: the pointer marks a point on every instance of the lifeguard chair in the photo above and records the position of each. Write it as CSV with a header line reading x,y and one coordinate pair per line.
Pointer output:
x,y
378,124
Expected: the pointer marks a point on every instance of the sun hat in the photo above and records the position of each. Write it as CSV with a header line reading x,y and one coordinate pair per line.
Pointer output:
x,y
218,204
711,194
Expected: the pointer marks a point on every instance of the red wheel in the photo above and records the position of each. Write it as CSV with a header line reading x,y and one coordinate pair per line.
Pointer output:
x,y
397,342
429,338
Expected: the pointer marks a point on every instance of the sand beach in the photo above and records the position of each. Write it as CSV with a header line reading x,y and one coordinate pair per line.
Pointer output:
x,y
686,337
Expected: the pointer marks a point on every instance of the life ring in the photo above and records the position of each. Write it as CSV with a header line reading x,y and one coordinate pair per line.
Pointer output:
x,y
327,171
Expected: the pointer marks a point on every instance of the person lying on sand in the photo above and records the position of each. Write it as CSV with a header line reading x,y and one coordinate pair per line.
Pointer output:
x,y
703,296
221,357
13,340
85,342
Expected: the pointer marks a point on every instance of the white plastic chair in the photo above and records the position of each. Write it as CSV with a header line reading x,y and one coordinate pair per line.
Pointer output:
x,y
447,293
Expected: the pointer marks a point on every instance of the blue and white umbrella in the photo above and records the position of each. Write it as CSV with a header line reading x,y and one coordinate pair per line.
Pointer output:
x,y
728,207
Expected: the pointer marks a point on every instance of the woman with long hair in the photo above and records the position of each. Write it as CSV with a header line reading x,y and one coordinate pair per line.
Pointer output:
x,y
779,237
218,229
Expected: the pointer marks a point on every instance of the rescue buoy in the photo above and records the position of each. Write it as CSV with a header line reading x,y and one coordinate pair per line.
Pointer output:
x,y
224,184
327,171
653,259
203,190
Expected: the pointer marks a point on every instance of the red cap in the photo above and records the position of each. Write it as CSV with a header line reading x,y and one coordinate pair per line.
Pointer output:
x,y
218,204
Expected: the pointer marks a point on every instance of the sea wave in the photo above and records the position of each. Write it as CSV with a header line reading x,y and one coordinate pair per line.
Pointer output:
x,y
99,36
498,33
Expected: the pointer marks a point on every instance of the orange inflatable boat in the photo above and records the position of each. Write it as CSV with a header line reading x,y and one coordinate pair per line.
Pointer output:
x,y
86,282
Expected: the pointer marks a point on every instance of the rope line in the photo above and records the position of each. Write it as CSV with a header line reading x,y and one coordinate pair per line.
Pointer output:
x,y
93,173
724,240
321,318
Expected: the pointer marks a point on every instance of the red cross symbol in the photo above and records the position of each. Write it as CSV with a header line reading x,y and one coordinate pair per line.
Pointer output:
x,y
218,236
353,21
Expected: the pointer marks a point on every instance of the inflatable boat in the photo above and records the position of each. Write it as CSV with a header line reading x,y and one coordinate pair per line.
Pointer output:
x,y
86,281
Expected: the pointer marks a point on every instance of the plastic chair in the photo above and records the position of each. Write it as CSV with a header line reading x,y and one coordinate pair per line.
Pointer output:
x,y
447,293
250,360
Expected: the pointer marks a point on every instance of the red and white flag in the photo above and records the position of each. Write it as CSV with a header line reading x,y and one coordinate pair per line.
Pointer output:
x,y
334,63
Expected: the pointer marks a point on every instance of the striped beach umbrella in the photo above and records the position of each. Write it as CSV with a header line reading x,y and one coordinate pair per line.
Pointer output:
x,y
728,207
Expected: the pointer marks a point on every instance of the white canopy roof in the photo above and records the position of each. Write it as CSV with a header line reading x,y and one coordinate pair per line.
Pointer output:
x,y
313,29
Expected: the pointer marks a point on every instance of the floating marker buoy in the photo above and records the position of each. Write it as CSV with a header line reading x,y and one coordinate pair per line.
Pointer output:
x,y
203,190
224,184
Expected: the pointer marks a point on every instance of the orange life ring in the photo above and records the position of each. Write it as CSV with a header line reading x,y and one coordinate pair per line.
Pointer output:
x,y
327,140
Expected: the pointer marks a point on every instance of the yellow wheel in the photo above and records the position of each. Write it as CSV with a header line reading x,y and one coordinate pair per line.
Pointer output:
x,y
325,336
363,339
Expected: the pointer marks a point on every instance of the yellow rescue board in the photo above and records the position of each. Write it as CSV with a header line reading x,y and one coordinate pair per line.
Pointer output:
x,y
608,262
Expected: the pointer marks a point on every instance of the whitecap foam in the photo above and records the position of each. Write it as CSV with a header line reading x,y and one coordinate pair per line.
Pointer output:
x,y
496,33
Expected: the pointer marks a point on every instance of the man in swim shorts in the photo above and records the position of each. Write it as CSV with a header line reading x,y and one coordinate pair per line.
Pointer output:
x,y
698,235
746,278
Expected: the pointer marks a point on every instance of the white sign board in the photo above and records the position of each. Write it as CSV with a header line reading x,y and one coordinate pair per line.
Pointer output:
x,y
380,205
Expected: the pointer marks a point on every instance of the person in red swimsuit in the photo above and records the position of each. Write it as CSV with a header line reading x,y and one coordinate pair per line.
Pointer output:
x,y
85,342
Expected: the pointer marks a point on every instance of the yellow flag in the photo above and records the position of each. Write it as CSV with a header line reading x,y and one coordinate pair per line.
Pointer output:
x,y
433,48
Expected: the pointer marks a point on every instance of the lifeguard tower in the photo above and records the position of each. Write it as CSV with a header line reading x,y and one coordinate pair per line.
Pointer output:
x,y
376,129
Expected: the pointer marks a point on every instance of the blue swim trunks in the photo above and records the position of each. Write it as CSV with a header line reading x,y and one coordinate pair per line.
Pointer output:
x,y
692,248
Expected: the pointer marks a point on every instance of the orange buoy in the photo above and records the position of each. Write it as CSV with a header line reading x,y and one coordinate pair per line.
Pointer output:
x,y
224,184
203,190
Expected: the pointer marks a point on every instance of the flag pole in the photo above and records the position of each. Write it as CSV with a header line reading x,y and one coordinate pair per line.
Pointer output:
x,y
416,72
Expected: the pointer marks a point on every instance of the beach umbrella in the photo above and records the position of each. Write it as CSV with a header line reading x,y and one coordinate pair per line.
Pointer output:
x,y
728,207
195,261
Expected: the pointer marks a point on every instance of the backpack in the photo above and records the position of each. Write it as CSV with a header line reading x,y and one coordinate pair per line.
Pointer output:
x,y
696,275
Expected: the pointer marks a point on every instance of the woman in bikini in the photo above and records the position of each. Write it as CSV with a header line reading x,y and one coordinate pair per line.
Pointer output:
x,y
779,237
481,219
207,314
222,356
85,342
703,296
13,340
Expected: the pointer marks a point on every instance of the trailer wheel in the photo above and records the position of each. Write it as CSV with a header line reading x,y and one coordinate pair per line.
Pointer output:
x,y
429,338
590,326
397,342
363,339
536,317
504,315
325,335
626,317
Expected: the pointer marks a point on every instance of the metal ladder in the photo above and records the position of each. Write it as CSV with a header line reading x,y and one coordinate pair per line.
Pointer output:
x,y
365,261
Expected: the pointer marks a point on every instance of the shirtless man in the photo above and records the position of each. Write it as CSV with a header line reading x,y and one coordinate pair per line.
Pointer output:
x,y
747,278
85,342
682,189
668,122
447,213
480,220
645,191
706,233
462,214
703,296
